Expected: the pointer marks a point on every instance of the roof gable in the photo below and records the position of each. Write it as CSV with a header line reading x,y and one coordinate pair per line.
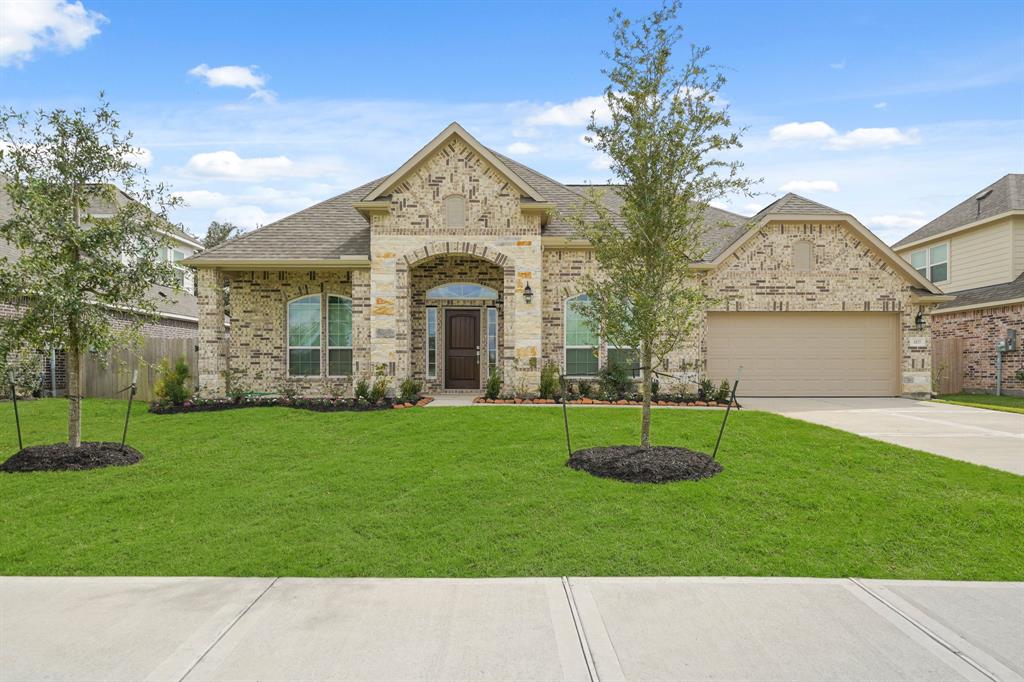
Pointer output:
x,y
453,130
1003,195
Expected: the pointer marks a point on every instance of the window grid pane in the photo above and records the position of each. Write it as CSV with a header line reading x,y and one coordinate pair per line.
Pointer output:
x,y
937,254
339,322
492,337
431,342
304,362
581,362
917,259
463,291
304,322
578,331
339,362
939,272
625,357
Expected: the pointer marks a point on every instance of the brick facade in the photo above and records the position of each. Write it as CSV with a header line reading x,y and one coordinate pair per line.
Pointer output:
x,y
980,329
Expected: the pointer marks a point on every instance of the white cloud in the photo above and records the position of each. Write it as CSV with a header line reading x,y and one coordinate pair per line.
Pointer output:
x,y
717,203
602,162
859,137
810,186
838,66
230,166
909,221
575,113
42,25
141,156
522,148
753,207
202,198
881,105
235,77
246,216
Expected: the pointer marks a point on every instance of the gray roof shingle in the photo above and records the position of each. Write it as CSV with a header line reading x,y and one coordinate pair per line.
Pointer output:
x,y
1005,194
983,295
794,203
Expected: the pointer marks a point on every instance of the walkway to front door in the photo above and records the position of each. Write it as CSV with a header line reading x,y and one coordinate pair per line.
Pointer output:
x,y
462,349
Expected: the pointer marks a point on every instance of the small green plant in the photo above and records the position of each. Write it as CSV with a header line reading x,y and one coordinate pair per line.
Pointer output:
x,y
288,390
172,384
705,389
1020,374
381,384
549,381
233,387
493,388
584,388
363,390
723,393
655,387
25,369
615,381
409,390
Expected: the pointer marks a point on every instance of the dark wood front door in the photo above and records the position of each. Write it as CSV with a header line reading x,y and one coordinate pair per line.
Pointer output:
x,y
462,349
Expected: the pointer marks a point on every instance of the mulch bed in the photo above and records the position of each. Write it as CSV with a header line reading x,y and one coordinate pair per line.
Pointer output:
x,y
62,457
313,404
633,464
591,401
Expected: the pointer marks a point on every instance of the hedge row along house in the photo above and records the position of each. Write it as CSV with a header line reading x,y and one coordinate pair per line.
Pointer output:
x,y
459,263
975,251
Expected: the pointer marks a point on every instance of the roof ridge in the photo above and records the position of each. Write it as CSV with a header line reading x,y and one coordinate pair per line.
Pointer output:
x,y
248,234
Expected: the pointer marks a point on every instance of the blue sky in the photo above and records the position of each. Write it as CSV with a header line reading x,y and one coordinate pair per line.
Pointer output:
x,y
891,111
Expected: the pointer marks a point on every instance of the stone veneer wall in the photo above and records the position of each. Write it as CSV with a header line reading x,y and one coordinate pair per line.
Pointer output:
x,y
446,269
496,230
980,329
847,275
256,349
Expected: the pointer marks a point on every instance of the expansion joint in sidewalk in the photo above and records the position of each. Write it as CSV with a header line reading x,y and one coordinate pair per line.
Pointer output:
x,y
580,632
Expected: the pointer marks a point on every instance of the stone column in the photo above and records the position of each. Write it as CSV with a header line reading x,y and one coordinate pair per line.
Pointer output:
x,y
361,344
213,362
528,317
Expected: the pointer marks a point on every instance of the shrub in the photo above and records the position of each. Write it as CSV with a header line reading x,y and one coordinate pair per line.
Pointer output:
x,y
1020,374
233,387
363,390
615,381
25,369
287,390
172,384
493,388
724,392
705,389
409,391
655,387
549,381
381,384
584,388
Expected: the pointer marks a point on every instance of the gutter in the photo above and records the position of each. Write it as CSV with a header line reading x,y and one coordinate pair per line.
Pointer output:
x,y
346,263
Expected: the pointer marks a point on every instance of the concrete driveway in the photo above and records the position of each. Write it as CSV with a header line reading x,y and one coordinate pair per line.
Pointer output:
x,y
586,629
987,437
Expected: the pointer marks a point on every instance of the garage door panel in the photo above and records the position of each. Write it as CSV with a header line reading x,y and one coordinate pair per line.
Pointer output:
x,y
806,354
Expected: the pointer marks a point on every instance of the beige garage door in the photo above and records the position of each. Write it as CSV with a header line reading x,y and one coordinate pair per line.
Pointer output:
x,y
806,354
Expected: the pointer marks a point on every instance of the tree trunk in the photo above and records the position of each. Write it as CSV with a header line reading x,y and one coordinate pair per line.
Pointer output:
x,y
74,397
645,420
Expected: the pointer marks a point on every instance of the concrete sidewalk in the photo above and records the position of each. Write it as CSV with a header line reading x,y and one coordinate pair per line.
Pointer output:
x,y
508,629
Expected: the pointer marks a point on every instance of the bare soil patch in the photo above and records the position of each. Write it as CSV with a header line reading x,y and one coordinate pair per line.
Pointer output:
x,y
634,464
62,457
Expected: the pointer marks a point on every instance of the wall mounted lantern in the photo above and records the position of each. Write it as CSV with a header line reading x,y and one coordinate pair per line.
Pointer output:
x,y
919,319
528,293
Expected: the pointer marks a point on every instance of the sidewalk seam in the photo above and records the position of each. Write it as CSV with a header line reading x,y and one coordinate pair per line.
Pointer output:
x,y
956,651
580,633
228,629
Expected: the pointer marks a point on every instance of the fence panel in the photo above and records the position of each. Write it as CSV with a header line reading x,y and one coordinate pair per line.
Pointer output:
x,y
104,377
948,364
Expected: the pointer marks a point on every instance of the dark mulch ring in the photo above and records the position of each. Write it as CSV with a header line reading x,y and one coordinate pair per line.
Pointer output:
x,y
63,457
634,464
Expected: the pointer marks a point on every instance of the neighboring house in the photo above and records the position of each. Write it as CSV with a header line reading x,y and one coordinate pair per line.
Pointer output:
x,y
459,262
177,311
975,251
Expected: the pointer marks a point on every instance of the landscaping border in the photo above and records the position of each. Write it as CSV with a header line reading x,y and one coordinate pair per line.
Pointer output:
x,y
311,404
592,401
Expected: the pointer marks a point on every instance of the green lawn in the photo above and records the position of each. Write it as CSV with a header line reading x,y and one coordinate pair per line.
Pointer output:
x,y
484,492
1003,403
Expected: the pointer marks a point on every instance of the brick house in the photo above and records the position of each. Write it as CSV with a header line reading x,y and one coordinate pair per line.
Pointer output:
x,y
177,310
459,263
975,251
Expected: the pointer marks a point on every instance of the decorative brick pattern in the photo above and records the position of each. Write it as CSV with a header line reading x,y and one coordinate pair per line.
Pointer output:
x,y
980,329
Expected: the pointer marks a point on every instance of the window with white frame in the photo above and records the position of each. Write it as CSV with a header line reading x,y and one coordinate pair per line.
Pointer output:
x,y
932,262
581,339
304,336
339,336
432,342
625,357
492,338
184,275
463,291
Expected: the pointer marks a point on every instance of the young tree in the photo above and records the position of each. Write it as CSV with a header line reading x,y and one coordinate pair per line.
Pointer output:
x,y
664,135
218,233
59,168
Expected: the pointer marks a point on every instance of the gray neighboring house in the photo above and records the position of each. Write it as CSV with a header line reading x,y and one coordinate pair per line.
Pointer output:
x,y
178,312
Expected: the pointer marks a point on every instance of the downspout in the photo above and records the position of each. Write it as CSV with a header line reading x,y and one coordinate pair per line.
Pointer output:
x,y
53,372
999,368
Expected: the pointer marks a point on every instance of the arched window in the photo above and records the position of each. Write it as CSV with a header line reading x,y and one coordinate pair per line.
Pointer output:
x,y
455,211
803,256
581,339
339,336
463,291
304,336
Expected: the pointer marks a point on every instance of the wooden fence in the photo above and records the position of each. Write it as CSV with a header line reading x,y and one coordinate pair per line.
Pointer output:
x,y
105,377
948,365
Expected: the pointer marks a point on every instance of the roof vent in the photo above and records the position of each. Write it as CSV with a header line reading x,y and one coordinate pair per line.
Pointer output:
x,y
980,196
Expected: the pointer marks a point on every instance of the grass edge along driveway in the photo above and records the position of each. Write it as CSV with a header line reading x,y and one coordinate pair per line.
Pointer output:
x,y
986,401
484,492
